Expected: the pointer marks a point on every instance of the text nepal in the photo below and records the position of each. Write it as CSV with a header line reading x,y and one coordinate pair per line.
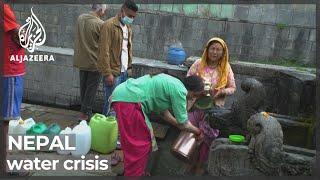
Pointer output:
x,y
32,143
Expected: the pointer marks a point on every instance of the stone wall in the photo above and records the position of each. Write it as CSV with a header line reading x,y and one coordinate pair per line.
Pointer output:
x,y
53,83
289,14
57,83
253,32
234,159
289,90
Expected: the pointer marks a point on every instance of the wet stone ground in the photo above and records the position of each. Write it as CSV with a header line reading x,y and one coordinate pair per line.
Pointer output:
x,y
162,162
65,118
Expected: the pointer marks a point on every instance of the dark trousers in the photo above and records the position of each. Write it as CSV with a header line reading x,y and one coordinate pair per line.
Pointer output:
x,y
89,83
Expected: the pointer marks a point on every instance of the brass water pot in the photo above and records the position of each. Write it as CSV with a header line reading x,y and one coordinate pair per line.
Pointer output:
x,y
184,146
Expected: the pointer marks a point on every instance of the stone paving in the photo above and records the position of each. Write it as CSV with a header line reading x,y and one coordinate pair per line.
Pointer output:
x,y
65,118
161,162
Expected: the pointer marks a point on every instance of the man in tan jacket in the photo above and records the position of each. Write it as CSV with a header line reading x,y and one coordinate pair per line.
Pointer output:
x,y
86,54
115,49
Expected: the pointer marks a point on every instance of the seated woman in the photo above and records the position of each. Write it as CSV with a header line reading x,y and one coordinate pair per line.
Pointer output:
x,y
135,99
214,68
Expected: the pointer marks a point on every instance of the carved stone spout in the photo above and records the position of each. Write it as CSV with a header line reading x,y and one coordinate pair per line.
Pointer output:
x,y
266,143
234,119
265,154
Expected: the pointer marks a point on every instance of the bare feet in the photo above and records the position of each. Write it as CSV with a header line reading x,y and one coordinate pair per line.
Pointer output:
x,y
199,171
83,117
195,169
115,159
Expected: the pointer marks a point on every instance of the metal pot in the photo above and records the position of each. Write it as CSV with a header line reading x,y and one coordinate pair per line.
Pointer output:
x,y
184,146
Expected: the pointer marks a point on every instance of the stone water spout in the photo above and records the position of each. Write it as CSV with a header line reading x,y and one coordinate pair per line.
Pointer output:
x,y
265,147
263,154
234,119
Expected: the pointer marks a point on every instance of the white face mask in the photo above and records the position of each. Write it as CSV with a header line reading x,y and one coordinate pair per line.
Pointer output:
x,y
126,20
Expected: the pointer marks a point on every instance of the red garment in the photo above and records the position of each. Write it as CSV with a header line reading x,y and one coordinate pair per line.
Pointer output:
x,y
134,136
11,68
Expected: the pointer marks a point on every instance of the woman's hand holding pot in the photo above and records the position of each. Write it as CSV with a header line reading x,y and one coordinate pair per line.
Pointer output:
x,y
218,93
200,137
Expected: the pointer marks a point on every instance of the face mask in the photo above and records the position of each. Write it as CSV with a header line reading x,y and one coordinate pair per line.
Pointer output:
x,y
126,20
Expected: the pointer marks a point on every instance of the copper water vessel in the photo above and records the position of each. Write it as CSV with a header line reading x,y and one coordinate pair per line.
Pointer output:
x,y
184,146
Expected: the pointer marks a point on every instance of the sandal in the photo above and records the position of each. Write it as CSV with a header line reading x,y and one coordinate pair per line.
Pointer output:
x,y
115,159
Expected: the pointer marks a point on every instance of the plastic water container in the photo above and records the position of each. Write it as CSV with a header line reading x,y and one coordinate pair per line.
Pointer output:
x,y
104,131
66,131
37,129
53,129
176,56
83,139
20,126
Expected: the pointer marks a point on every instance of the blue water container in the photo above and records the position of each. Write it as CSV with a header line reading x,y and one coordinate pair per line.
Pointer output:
x,y
176,56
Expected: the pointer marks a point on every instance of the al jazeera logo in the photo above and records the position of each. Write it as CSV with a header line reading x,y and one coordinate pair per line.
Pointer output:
x,y
32,35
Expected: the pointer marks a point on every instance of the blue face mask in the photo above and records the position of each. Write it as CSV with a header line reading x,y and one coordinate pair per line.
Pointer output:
x,y
126,20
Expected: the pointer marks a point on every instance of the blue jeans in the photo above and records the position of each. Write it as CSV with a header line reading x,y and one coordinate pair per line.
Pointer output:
x,y
109,89
12,88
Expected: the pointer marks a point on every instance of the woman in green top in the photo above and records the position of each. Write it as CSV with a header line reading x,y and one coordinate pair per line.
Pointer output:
x,y
135,99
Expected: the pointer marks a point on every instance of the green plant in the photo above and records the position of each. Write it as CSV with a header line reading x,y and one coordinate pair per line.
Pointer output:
x,y
288,63
310,132
233,58
281,26
282,62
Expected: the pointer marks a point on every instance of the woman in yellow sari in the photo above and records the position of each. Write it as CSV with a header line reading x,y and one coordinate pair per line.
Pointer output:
x,y
214,68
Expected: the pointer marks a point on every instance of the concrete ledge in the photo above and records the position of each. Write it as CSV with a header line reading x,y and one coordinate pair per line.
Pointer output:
x,y
266,70
56,50
256,69
157,64
239,67
289,91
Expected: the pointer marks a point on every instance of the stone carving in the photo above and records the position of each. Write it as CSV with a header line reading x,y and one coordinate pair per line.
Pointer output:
x,y
265,154
249,104
234,119
265,147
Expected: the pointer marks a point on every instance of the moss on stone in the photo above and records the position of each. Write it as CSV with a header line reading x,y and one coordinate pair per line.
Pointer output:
x,y
298,65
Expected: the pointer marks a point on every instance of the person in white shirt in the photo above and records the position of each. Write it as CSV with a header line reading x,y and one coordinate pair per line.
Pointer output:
x,y
115,49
